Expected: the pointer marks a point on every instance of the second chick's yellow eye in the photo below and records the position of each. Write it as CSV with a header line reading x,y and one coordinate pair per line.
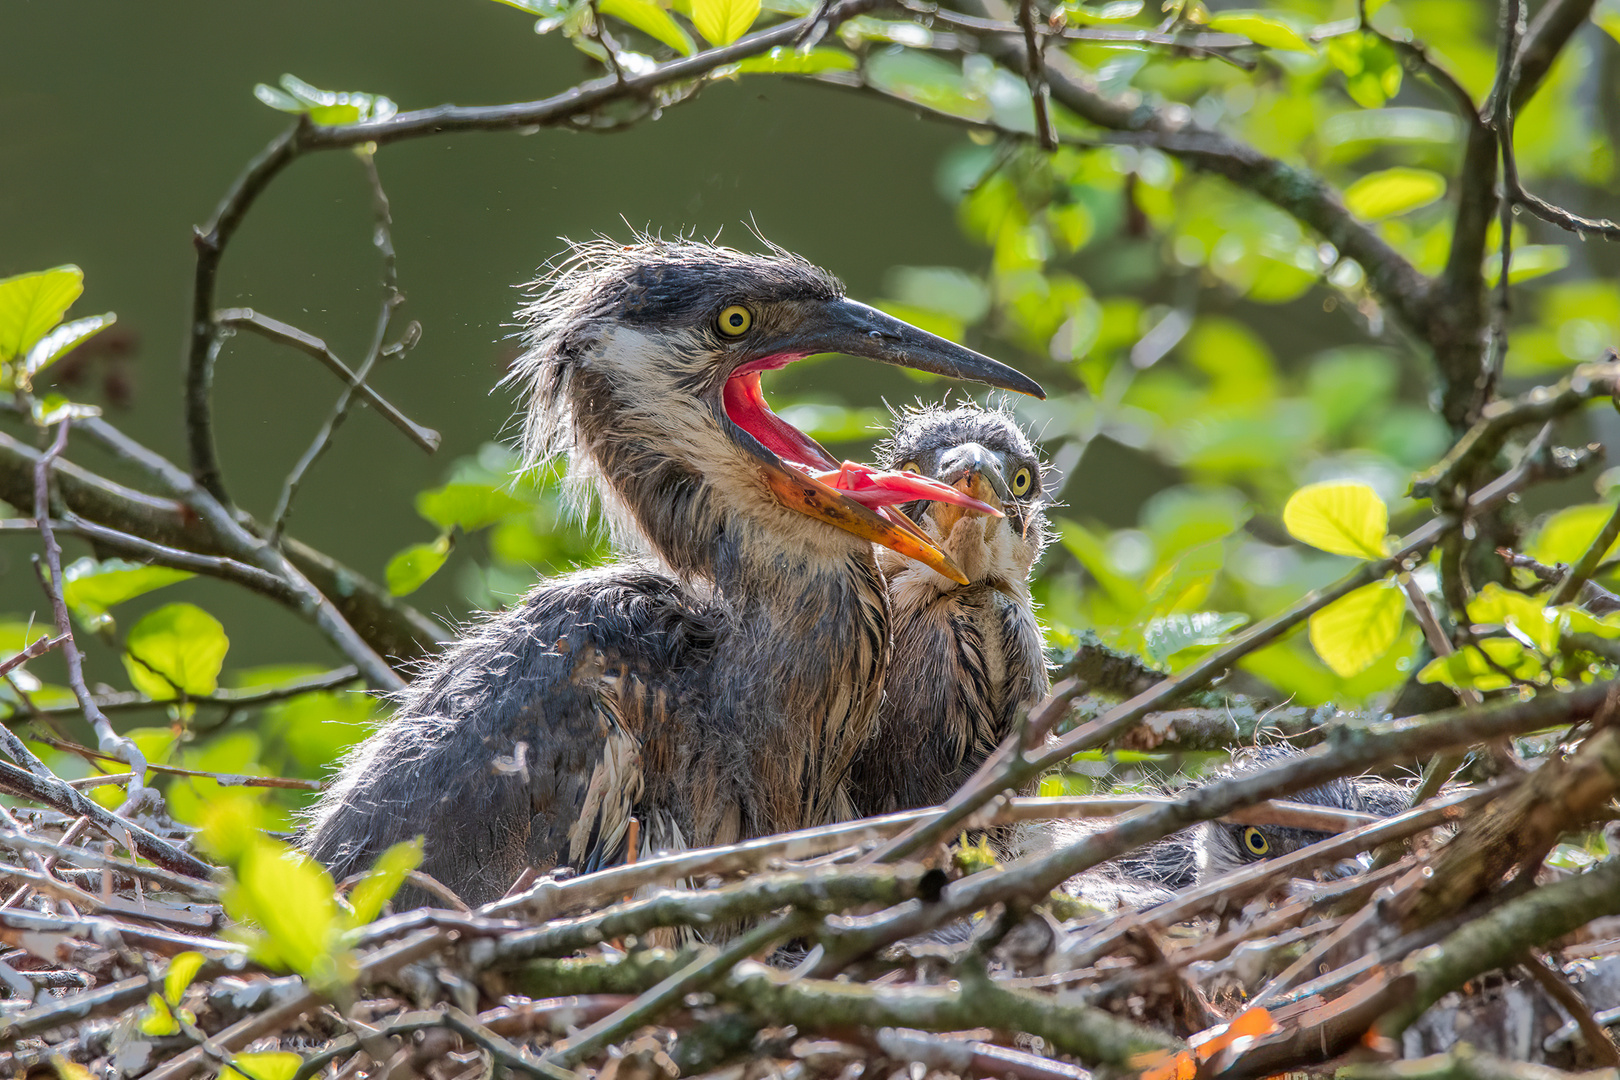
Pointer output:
x,y
1255,841
911,466
735,320
1022,481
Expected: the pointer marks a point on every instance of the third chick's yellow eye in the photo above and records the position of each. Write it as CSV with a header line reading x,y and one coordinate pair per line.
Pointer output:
x,y
911,466
1255,841
1022,481
735,320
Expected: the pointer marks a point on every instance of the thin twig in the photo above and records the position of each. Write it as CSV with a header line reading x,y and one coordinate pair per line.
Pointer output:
x,y
107,739
287,334
1040,95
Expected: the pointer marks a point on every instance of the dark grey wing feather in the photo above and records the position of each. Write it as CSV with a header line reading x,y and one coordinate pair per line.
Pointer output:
x,y
528,732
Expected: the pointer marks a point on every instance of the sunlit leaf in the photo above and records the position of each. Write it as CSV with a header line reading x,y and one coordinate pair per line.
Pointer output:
x,y
1353,632
292,900
324,106
786,60
927,81
1169,634
1393,191
410,569
92,587
383,880
269,1065
1345,517
1565,535
30,304
178,645
1106,11
69,336
723,21
651,20
158,1020
1493,664
1260,29
182,969
469,507
1530,261
1497,606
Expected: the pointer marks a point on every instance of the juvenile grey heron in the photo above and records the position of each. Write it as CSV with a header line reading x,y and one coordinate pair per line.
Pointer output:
x,y
715,683
967,656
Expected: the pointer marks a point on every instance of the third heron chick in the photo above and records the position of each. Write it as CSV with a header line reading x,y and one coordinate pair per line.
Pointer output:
x,y
966,657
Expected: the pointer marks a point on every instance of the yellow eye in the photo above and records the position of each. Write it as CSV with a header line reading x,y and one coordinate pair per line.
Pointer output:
x,y
1254,841
735,320
911,466
1023,479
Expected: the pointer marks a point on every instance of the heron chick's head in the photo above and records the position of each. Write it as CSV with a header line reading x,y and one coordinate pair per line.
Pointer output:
x,y
982,452
644,364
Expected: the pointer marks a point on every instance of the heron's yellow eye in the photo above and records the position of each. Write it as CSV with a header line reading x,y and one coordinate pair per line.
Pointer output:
x,y
1023,479
1254,841
911,466
735,320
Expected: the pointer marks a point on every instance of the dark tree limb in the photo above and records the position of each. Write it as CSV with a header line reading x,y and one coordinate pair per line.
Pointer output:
x,y
391,626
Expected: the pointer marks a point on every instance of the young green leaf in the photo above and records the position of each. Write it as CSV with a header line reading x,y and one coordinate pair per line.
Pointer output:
x,y
410,569
1493,664
292,900
91,587
1496,606
1393,191
1565,535
383,880
1345,517
158,1019
268,1065
178,645
69,336
182,969
1353,632
786,60
651,20
470,506
30,304
723,21
1260,29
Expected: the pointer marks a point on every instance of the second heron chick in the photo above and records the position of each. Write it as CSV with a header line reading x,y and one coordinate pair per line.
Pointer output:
x,y
965,658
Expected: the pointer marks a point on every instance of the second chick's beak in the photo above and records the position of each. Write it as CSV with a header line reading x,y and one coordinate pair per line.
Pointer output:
x,y
976,472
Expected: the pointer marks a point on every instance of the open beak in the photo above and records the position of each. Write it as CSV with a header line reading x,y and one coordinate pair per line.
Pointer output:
x,y
854,498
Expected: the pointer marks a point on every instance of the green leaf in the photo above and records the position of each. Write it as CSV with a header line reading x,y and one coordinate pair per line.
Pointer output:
x,y
1169,634
1345,517
651,20
1108,11
69,336
324,106
180,644
410,569
182,969
928,81
1353,632
1493,664
158,1020
723,21
469,506
1530,261
292,900
384,880
1260,29
30,304
1565,536
1393,191
1496,606
268,1065
786,60
91,588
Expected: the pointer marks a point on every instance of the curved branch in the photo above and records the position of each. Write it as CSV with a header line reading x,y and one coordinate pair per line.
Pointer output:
x,y
393,628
